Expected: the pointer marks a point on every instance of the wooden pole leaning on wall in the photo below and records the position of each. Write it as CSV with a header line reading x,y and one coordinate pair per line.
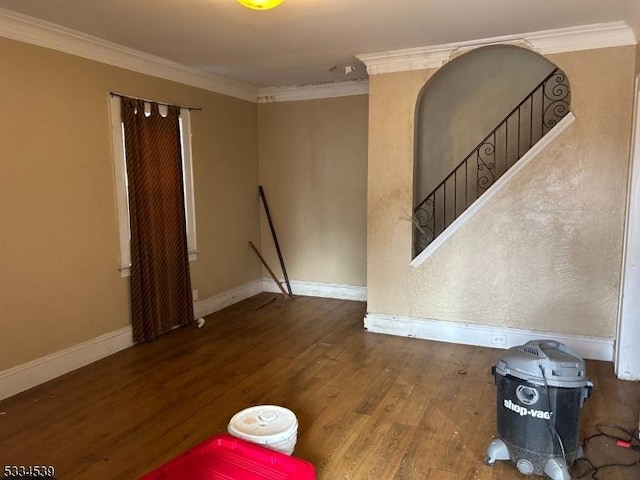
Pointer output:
x,y
275,279
275,238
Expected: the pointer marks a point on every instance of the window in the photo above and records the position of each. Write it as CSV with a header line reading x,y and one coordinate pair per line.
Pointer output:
x,y
122,197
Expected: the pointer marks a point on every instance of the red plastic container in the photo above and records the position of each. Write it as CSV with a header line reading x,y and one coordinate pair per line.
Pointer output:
x,y
224,457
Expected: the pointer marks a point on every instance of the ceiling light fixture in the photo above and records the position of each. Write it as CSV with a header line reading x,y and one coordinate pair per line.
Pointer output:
x,y
260,4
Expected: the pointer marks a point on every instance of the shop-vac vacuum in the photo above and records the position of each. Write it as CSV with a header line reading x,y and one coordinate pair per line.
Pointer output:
x,y
541,388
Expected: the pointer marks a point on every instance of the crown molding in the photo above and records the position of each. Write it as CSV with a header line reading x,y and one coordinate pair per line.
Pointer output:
x,y
313,92
34,31
587,37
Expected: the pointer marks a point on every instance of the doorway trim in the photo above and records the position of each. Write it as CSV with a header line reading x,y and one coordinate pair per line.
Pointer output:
x,y
627,360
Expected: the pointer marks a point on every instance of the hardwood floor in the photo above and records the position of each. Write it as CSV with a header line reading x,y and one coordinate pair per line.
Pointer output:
x,y
369,406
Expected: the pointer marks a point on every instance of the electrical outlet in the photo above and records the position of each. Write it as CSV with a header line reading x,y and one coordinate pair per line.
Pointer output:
x,y
194,294
498,339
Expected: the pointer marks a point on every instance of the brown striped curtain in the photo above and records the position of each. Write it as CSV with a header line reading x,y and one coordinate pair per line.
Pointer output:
x,y
160,280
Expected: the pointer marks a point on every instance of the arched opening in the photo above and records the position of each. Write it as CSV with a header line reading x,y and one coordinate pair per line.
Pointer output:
x,y
475,118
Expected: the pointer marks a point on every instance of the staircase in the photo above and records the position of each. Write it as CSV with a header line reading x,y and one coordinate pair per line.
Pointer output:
x,y
520,130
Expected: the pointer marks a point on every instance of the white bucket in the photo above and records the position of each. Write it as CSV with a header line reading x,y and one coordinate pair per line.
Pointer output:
x,y
271,426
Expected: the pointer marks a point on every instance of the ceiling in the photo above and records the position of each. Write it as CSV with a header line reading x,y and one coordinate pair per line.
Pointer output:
x,y
309,41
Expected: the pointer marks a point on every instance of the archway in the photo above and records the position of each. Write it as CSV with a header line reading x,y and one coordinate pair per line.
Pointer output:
x,y
511,92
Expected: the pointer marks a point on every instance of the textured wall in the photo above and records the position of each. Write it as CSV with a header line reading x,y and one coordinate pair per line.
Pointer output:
x,y
545,253
313,166
59,250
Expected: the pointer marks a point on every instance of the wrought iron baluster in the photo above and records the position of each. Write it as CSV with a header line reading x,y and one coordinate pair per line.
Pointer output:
x,y
466,184
486,179
506,144
554,95
542,101
531,121
455,194
556,90
519,123
444,207
435,232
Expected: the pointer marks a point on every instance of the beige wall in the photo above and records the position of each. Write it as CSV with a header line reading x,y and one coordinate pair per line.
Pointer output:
x,y
59,257
545,253
313,166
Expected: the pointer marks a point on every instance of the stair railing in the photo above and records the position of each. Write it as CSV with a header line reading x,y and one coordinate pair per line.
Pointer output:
x,y
527,123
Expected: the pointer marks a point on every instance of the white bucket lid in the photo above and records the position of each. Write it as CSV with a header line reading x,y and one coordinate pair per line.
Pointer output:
x,y
264,424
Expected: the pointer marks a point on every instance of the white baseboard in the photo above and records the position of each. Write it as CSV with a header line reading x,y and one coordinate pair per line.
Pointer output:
x,y
326,290
595,348
40,370
23,377
210,305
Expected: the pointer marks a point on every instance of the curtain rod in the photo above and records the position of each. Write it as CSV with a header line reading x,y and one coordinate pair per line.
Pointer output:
x,y
121,95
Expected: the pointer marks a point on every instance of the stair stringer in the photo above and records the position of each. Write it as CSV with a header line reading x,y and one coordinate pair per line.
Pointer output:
x,y
497,186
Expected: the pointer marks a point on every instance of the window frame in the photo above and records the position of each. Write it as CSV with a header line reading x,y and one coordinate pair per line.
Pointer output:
x,y
122,196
